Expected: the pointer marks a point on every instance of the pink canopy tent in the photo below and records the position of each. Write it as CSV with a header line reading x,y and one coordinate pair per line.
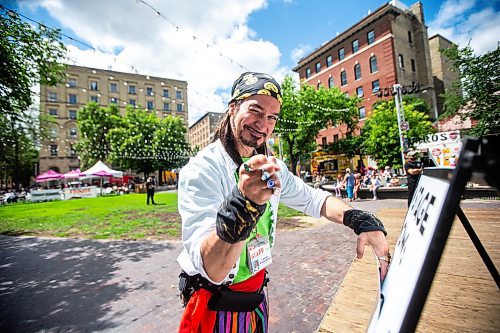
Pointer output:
x,y
102,174
49,175
73,174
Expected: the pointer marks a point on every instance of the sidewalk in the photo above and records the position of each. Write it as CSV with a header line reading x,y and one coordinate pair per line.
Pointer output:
x,y
464,296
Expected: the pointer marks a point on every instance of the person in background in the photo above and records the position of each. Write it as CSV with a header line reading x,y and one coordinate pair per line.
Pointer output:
x,y
348,183
229,195
413,170
387,175
375,184
150,190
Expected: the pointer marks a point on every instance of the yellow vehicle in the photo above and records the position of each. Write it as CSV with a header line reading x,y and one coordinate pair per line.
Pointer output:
x,y
332,165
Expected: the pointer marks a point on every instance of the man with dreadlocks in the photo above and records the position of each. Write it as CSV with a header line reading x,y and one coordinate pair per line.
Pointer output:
x,y
228,200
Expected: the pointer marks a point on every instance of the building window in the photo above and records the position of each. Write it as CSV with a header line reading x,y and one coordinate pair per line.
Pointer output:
x,y
359,91
53,150
401,61
113,87
341,54
166,93
149,91
72,83
323,140
94,85
308,72
318,67
329,61
335,138
357,71
178,94
54,132
318,85
113,100
373,64
94,98
166,106
376,86
53,112
355,46
72,151
410,37
72,132
343,78
72,99
413,65
150,105
52,97
131,102
131,90
362,112
179,108
370,36
330,82
72,114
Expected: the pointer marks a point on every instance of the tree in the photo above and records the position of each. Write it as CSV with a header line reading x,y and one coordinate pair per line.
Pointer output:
x,y
479,78
28,56
306,111
381,134
94,124
145,143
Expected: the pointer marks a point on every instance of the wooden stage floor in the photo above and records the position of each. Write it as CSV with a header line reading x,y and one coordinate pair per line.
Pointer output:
x,y
463,297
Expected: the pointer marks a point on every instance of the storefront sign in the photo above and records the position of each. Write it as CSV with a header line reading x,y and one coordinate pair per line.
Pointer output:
x,y
405,90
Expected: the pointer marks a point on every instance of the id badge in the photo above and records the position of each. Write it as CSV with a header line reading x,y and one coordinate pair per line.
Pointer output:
x,y
258,253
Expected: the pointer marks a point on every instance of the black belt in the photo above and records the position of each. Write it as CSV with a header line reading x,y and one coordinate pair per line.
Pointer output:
x,y
223,298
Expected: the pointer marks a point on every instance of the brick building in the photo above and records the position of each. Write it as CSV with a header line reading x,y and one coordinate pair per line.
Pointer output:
x,y
160,95
201,132
388,46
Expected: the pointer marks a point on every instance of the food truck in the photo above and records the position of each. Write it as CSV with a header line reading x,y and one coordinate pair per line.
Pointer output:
x,y
442,148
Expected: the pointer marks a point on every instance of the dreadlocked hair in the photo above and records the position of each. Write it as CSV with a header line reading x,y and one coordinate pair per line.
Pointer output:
x,y
226,136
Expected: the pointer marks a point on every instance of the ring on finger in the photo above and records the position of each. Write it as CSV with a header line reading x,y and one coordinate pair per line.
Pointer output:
x,y
386,258
265,175
271,184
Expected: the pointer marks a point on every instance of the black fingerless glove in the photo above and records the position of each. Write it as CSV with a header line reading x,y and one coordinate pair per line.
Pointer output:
x,y
237,217
361,221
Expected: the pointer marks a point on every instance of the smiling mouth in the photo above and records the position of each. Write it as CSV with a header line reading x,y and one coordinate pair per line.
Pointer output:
x,y
255,133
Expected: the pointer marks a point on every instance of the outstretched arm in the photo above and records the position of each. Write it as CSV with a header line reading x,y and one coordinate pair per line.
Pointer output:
x,y
367,226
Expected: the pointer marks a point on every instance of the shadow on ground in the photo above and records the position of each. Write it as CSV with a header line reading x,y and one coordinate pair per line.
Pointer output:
x,y
53,285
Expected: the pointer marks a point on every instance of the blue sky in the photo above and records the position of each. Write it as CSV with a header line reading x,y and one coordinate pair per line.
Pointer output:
x,y
210,42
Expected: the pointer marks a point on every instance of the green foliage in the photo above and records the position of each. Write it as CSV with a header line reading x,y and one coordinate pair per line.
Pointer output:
x,y
146,143
381,134
94,124
479,78
28,56
305,111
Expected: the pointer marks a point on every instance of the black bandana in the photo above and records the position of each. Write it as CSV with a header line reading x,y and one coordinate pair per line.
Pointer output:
x,y
252,83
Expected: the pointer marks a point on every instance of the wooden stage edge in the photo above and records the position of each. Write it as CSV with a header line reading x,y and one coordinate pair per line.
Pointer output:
x,y
463,296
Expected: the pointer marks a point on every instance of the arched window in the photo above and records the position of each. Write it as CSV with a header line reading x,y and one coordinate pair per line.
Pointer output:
x,y
330,82
357,71
343,78
373,64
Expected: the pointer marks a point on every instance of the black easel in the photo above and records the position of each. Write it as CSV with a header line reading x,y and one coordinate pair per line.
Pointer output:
x,y
479,157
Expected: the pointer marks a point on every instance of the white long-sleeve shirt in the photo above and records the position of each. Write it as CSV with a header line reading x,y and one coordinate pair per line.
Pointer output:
x,y
205,182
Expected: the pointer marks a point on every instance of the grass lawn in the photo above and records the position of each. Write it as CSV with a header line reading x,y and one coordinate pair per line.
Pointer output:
x,y
108,217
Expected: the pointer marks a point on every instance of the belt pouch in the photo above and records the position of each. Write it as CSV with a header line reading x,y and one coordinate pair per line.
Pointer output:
x,y
235,301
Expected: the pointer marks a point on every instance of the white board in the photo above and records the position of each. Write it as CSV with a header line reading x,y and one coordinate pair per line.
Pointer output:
x,y
409,254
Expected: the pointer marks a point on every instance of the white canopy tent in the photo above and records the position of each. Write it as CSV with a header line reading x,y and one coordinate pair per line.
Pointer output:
x,y
101,167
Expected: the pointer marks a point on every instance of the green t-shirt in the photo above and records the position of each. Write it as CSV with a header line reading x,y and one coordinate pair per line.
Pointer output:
x,y
263,229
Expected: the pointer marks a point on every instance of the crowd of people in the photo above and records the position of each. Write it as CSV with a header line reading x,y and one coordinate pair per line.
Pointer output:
x,y
352,181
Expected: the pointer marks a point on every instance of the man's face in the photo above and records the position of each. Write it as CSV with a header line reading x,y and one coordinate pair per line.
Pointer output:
x,y
253,119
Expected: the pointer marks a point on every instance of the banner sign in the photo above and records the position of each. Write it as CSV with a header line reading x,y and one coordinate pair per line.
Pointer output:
x,y
45,195
409,255
81,192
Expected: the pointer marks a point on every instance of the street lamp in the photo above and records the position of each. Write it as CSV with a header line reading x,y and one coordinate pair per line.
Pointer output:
x,y
402,124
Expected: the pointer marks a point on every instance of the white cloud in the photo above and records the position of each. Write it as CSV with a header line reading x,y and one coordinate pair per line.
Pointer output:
x,y
151,44
466,23
299,52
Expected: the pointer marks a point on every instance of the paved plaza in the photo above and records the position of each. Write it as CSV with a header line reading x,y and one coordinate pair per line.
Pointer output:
x,y
72,285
